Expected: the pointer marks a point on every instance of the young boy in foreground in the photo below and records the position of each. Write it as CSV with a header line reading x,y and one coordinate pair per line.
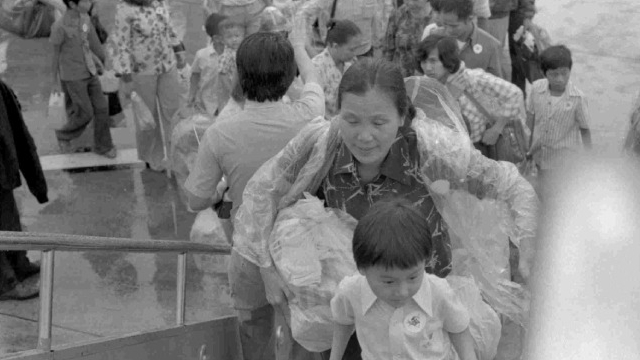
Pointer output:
x,y
398,310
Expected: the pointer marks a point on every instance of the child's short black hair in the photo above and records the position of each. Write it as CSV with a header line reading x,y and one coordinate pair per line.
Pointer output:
x,y
341,31
67,2
448,52
462,8
393,234
266,66
555,57
212,25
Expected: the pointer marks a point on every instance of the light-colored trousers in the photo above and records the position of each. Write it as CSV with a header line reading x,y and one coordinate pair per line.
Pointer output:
x,y
165,89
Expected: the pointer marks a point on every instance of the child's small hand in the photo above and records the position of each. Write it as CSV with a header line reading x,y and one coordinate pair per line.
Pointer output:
x,y
456,85
490,136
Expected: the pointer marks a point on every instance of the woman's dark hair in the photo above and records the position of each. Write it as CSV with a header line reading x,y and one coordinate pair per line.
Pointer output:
x,y
212,25
462,8
555,57
67,2
368,74
448,52
266,66
341,31
392,234
139,2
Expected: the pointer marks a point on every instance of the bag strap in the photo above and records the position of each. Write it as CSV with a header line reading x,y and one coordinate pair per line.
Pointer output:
x,y
333,9
478,105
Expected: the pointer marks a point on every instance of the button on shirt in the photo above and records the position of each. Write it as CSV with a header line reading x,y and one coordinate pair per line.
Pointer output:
x,y
144,39
238,145
330,77
399,177
557,124
418,330
77,38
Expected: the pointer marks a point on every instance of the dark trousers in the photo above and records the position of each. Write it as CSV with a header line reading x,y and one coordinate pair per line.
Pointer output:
x,y
84,102
11,262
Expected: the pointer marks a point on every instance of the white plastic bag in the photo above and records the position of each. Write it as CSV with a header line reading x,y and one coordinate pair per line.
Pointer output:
x,y
109,81
211,230
485,324
141,113
56,112
311,248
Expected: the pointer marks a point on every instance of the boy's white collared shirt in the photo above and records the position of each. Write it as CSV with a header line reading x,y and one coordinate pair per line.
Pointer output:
x,y
417,330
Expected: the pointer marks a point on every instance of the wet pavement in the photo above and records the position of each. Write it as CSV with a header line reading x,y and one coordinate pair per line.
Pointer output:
x,y
100,294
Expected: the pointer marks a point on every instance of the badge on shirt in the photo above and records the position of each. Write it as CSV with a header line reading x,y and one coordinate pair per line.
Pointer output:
x,y
568,105
415,322
159,10
85,27
477,48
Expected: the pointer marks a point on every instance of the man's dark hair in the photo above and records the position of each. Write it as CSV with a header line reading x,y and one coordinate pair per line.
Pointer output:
x,y
448,51
67,2
555,57
462,8
266,66
212,25
436,5
392,234
341,31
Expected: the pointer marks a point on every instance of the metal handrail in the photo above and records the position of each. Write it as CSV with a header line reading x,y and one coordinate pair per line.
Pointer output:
x,y
49,243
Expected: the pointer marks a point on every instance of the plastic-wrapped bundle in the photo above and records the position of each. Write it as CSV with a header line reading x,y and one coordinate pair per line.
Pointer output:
x,y
435,101
484,323
311,248
480,248
632,141
211,230
273,20
185,140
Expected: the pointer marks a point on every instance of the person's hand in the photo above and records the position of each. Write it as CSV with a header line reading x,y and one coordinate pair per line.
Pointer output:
x,y
456,85
490,136
278,294
181,59
298,34
55,86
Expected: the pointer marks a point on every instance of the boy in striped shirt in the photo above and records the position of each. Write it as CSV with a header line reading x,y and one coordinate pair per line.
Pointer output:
x,y
557,113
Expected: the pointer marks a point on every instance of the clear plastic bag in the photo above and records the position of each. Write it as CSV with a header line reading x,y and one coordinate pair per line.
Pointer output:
x,y
485,324
141,113
311,248
210,230
185,140
56,112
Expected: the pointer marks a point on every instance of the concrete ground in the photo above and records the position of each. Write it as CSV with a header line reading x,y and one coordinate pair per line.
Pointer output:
x,y
99,294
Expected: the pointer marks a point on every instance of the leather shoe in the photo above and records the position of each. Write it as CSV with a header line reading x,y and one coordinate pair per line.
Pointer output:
x,y
27,289
28,271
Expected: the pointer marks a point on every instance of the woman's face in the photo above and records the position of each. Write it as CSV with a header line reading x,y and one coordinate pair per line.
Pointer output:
x,y
433,68
347,51
369,125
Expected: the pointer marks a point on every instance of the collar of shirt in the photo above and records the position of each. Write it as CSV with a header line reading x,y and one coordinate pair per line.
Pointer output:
x,y
251,105
571,90
422,298
473,38
395,166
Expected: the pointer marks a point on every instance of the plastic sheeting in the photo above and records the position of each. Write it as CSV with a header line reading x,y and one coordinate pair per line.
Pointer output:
x,y
311,248
632,141
447,155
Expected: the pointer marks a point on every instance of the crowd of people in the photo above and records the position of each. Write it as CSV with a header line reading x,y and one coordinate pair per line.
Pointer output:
x,y
370,106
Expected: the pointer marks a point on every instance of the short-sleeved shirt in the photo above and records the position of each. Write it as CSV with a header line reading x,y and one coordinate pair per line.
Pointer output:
x,y
403,34
399,177
330,77
239,144
78,40
216,78
144,39
418,330
480,51
557,124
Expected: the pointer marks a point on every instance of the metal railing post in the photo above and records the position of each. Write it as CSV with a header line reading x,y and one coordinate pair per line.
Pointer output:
x,y
46,300
181,288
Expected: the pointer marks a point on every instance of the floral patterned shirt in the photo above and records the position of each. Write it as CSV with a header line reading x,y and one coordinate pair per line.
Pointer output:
x,y
144,39
403,34
399,177
330,77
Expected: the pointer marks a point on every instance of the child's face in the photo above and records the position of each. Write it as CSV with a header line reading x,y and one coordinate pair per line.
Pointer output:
x,y
233,36
558,78
394,286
